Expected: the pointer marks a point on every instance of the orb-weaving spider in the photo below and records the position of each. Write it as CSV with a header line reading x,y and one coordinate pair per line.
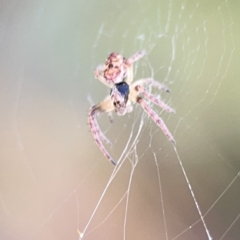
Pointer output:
x,y
117,74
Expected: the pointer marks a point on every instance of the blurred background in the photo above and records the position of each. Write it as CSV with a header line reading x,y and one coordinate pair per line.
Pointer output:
x,y
54,181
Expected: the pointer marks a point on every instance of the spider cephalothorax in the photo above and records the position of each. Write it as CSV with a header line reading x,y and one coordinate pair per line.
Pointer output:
x,y
118,75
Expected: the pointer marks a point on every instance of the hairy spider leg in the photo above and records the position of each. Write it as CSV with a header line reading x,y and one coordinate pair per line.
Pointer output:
x,y
136,57
154,99
156,118
129,77
101,134
151,82
105,106
130,62
98,73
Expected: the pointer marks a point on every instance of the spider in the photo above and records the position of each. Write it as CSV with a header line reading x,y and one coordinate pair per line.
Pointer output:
x,y
117,74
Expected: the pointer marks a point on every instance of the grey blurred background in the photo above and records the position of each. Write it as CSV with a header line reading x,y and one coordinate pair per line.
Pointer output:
x,y
52,173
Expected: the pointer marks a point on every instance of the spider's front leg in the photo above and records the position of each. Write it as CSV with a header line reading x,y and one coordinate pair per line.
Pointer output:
x,y
130,63
105,106
136,57
155,118
98,73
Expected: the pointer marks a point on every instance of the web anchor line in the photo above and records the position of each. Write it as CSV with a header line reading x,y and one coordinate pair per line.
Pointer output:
x,y
193,196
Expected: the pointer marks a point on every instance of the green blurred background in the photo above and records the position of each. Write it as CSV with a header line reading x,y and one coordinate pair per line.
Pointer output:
x,y
52,173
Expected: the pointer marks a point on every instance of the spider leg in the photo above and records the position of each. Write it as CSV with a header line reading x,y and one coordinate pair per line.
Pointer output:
x,y
154,99
130,62
99,75
156,119
105,106
136,57
151,82
129,77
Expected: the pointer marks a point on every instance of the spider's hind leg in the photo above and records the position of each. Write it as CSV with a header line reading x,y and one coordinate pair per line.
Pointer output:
x,y
160,123
154,99
139,88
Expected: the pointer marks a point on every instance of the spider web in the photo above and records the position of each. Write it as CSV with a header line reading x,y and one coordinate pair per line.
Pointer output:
x,y
55,182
